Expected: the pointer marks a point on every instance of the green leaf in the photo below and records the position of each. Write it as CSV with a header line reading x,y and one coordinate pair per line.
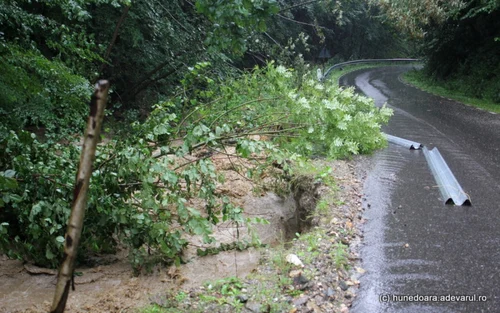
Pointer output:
x,y
170,177
49,255
35,210
3,227
161,130
9,173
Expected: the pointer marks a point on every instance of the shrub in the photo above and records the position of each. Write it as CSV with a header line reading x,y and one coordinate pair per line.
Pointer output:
x,y
142,185
39,93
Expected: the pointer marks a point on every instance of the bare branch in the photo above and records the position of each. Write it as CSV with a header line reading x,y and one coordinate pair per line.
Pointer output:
x,y
75,223
274,40
115,35
303,23
298,5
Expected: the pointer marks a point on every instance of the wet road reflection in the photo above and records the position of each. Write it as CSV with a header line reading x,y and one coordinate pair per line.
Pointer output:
x,y
414,244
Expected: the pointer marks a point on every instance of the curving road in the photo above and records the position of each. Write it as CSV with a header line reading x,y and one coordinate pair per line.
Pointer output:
x,y
414,244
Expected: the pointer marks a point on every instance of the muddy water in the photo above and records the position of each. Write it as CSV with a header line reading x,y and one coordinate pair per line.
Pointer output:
x,y
112,288
283,222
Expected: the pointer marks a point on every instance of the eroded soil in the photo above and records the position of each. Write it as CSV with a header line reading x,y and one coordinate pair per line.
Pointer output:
x,y
113,287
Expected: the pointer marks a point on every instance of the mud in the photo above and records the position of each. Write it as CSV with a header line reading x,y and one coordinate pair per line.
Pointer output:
x,y
113,288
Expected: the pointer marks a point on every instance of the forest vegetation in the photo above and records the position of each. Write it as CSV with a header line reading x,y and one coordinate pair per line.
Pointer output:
x,y
192,78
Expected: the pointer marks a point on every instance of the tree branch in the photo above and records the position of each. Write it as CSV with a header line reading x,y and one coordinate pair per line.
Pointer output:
x,y
239,106
303,23
274,40
150,81
298,5
115,35
79,204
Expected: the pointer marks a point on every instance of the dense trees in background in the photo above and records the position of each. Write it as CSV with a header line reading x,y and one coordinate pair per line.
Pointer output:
x,y
184,88
348,29
460,39
145,47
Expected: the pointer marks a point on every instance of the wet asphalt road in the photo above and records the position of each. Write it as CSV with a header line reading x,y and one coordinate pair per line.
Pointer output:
x,y
414,244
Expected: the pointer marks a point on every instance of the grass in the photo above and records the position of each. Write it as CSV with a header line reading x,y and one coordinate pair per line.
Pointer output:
x,y
336,74
267,288
419,80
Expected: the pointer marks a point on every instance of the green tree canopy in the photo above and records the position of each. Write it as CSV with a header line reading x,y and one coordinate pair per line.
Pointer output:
x,y
459,40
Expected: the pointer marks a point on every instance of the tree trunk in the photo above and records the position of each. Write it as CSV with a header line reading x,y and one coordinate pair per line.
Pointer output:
x,y
113,39
79,204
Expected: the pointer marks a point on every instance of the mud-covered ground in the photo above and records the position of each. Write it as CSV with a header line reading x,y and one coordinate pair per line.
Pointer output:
x,y
324,216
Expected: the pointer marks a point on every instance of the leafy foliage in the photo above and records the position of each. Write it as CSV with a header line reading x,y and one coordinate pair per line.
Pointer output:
x,y
144,189
414,17
347,29
40,93
235,20
464,52
459,41
157,185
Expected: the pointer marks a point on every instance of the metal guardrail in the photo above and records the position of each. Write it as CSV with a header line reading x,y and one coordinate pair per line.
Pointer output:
x,y
448,185
403,142
340,65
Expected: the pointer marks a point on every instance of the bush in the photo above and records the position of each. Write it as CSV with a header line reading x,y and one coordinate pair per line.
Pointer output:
x,y
39,93
142,186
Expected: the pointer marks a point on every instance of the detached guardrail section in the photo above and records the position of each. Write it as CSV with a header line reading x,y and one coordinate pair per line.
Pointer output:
x,y
403,142
448,185
340,65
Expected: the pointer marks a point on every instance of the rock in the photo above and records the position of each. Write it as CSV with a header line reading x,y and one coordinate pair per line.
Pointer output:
x,y
344,308
242,298
313,307
295,273
300,301
293,259
329,292
254,307
318,299
300,280
343,285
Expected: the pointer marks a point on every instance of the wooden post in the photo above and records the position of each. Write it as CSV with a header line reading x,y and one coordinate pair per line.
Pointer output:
x,y
79,204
